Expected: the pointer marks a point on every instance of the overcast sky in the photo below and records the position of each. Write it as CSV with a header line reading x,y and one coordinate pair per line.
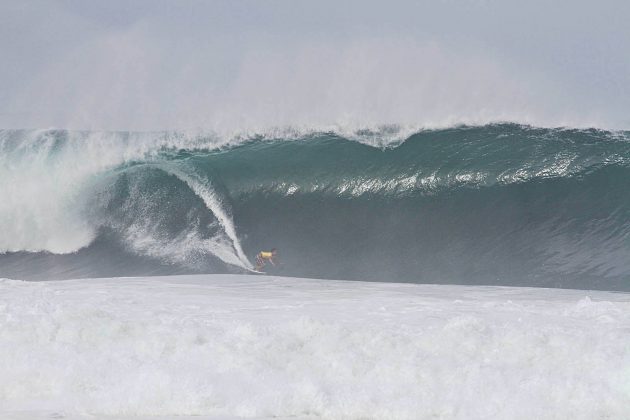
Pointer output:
x,y
232,65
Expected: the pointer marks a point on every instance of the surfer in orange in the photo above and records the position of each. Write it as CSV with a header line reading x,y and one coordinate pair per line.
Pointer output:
x,y
266,256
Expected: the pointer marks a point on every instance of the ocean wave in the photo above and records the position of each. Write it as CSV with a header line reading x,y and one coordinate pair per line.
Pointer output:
x,y
509,202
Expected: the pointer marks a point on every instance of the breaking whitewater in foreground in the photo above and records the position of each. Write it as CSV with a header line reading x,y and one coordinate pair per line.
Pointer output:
x,y
225,346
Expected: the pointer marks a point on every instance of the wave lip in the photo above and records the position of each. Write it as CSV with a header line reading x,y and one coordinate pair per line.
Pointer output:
x,y
54,179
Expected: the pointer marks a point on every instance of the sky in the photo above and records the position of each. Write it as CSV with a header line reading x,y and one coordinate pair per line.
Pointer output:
x,y
257,65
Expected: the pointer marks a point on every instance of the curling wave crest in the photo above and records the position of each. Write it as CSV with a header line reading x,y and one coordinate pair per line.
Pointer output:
x,y
501,204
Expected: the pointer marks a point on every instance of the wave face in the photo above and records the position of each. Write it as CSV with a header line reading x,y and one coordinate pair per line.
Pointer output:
x,y
498,204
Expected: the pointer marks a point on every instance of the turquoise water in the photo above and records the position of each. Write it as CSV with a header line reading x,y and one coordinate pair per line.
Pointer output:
x,y
499,204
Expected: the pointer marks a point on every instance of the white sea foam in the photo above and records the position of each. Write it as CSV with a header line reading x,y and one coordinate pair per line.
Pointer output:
x,y
48,181
262,347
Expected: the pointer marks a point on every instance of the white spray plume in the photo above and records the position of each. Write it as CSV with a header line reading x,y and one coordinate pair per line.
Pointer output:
x,y
146,69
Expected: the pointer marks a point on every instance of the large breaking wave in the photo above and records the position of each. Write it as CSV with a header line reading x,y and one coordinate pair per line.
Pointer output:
x,y
497,204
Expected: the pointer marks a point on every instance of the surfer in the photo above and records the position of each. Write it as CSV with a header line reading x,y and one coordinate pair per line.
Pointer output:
x,y
264,256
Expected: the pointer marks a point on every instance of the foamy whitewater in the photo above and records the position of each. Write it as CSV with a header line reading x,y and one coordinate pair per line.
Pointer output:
x,y
229,346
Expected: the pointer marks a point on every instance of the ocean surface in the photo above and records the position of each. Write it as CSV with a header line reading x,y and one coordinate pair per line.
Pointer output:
x,y
473,209
261,347
500,204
